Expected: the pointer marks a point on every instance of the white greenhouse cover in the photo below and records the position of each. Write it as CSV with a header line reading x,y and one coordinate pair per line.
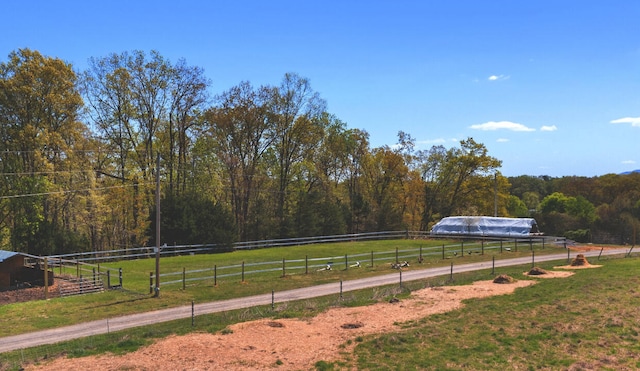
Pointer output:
x,y
486,226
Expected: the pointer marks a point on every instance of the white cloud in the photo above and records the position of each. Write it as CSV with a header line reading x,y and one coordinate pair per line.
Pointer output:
x,y
432,141
634,121
628,162
502,140
499,125
549,128
498,77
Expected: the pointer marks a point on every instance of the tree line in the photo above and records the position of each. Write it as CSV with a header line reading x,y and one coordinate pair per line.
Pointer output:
x,y
79,151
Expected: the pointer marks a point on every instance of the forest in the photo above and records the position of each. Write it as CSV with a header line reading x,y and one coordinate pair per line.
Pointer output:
x,y
82,153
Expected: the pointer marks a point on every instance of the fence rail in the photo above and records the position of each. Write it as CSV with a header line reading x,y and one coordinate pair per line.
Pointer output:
x,y
348,261
166,250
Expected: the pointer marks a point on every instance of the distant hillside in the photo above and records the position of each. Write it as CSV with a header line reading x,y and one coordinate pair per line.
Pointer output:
x,y
629,172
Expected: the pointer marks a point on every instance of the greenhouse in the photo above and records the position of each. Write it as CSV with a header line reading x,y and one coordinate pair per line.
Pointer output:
x,y
487,226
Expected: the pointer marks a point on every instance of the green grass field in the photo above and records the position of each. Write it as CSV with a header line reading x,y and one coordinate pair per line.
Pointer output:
x,y
135,298
552,325
585,322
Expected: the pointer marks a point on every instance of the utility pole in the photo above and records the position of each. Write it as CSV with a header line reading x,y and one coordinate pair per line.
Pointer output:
x,y
157,288
495,194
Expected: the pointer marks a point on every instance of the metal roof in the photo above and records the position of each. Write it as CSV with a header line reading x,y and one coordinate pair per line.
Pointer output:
x,y
4,255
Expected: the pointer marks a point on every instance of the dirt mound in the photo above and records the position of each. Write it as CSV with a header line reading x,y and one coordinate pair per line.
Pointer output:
x,y
27,294
579,261
503,278
537,271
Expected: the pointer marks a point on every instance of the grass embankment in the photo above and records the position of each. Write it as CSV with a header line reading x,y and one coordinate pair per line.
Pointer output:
x,y
584,322
135,298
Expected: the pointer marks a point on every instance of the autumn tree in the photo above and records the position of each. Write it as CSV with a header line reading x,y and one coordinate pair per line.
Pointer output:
x,y
42,162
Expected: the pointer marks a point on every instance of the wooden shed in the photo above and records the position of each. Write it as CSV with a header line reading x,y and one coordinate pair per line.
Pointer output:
x,y
10,264
13,271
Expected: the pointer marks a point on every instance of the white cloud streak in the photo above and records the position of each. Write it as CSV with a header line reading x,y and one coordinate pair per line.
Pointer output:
x,y
498,77
501,125
634,121
549,128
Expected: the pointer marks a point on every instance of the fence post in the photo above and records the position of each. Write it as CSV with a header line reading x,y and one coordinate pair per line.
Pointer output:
x,y
77,268
420,258
306,264
442,251
341,289
150,281
493,265
94,275
215,275
599,255
120,276
533,258
462,247
184,279
482,246
46,278
400,278
500,246
451,274
371,258
346,262
243,271
283,271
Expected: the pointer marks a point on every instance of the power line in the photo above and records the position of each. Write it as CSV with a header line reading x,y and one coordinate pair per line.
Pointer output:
x,y
52,172
73,191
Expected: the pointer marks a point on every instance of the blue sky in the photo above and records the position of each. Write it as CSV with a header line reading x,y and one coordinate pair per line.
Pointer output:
x,y
550,87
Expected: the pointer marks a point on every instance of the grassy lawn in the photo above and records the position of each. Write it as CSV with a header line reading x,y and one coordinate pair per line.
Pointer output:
x,y
134,298
587,321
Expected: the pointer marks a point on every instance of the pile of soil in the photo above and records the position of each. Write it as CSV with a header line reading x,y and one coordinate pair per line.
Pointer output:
x,y
503,278
537,271
27,294
579,261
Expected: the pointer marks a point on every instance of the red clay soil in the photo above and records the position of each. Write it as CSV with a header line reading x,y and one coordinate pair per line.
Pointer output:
x,y
285,344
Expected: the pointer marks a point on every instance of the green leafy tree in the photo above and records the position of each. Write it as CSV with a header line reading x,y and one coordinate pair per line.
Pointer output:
x,y
516,207
238,130
561,214
191,218
296,130
455,178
